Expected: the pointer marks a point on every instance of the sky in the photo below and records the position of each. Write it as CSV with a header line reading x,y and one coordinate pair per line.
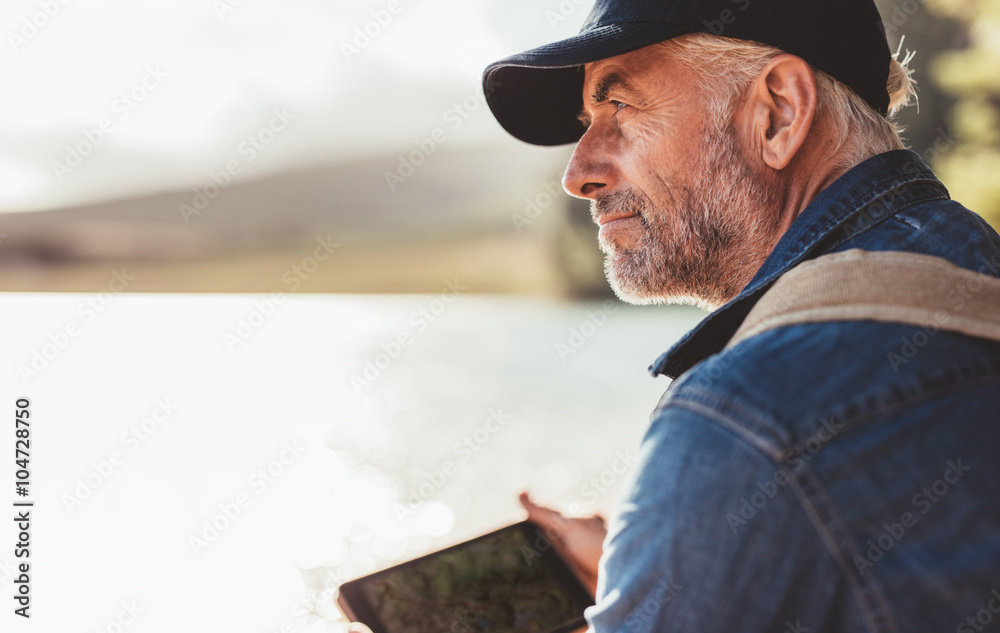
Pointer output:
x,y
112,98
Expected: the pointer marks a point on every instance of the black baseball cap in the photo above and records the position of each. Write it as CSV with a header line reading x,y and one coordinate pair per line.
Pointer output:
x,y
537,95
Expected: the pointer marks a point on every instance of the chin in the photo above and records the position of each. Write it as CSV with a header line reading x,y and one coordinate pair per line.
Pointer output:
x,y
634,291
678,299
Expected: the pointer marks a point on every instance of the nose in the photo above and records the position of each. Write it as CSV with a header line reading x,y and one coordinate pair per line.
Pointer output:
x,y
590,170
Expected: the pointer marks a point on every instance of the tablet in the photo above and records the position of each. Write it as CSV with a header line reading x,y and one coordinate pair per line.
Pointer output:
x,y
507,581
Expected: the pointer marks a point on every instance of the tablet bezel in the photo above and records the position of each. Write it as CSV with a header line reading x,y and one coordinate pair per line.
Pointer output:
x,y
355,605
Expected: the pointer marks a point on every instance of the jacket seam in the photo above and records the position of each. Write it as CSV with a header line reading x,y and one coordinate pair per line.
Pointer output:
x,y
860,421
904,206
766,441
868,596
850,210
836,538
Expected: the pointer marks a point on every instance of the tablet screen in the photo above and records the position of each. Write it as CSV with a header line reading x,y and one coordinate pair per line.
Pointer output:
x,y
498,583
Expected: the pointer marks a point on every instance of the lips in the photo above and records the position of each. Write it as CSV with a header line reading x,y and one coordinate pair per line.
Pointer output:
x,y
614,212
608,219
611,220
615,225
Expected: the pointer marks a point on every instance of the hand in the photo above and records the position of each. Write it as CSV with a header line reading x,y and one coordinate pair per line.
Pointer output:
x,y
343,625
579,540
334,620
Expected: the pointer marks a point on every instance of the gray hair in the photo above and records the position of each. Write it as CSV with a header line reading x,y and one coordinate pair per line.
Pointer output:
x,y
726,67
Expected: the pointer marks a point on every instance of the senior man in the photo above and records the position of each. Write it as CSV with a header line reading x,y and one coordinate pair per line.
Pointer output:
x,y
835,464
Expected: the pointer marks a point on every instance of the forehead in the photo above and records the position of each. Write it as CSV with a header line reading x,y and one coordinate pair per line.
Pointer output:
x,y
648,68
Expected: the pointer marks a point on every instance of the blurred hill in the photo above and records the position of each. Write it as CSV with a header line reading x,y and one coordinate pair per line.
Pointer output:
x,y
484,215
453,192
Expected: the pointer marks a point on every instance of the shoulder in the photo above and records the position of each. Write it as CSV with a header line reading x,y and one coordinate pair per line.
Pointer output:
x,y
784,386
787,379
707,509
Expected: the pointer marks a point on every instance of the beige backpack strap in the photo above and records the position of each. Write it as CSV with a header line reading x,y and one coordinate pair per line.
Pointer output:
x,y
887,286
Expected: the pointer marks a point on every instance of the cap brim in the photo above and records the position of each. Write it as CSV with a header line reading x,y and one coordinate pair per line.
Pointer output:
x,y
537,95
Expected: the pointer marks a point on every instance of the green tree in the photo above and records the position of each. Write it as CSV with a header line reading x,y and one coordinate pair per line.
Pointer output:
x,y
971,75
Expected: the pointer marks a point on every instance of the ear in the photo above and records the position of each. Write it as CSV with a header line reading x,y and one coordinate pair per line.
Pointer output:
x,y
782,106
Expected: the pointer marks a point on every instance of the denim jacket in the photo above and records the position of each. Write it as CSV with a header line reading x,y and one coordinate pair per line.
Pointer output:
x,y
826,477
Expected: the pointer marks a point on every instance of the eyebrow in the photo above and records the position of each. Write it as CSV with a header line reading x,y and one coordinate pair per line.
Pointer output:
x,y
614,81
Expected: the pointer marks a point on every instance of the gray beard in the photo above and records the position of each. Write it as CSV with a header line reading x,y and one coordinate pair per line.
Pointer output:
x,y
707,246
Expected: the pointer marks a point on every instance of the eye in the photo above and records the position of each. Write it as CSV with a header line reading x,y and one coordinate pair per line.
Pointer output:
x,y
618,105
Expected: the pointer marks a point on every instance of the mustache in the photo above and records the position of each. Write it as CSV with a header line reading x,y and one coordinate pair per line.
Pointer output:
x,y
625,202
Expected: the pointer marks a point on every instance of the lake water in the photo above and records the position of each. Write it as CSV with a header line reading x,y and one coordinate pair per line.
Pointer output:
x,y
224,458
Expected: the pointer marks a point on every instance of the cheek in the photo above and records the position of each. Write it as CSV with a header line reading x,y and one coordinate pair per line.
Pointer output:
x,y
642,152
675,125
658,170
659,141
643,134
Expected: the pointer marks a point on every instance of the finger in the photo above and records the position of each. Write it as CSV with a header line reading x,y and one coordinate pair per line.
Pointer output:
x,y
343,625
598,522
545,517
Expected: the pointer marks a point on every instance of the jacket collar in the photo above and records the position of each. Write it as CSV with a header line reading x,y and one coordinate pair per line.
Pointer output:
x,y
853,204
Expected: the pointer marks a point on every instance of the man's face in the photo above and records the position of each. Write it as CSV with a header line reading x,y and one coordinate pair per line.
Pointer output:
x,y
685,215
